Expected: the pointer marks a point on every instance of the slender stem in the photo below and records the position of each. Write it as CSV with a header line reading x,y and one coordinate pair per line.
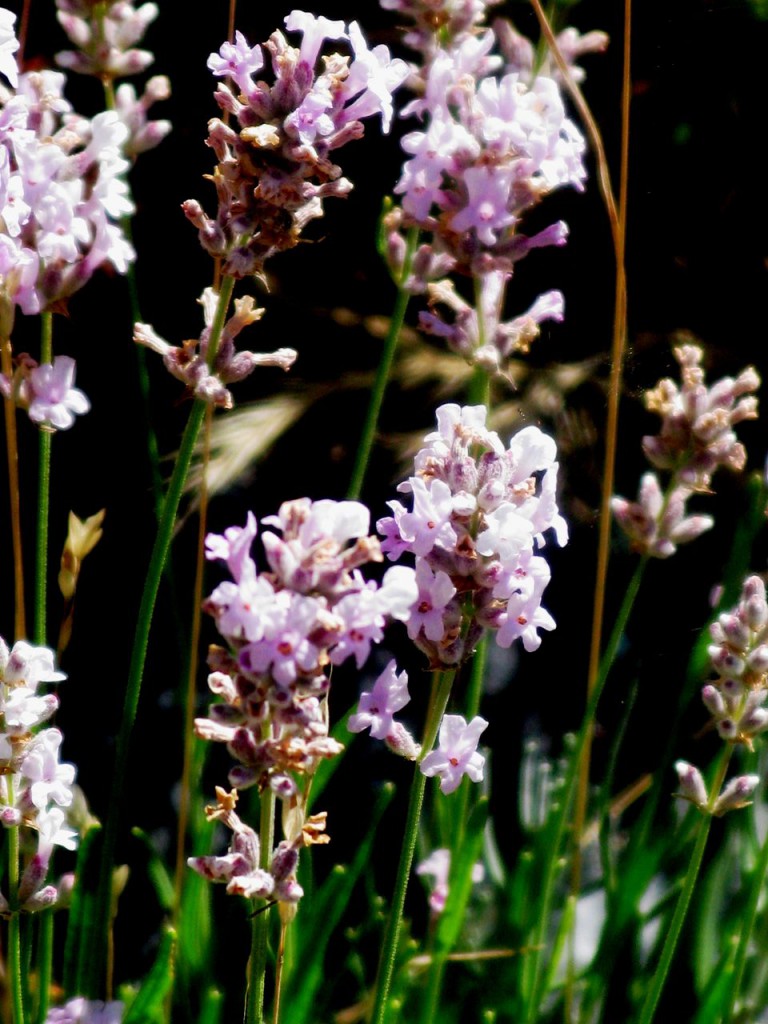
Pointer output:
x,y
653,994
382,374
44,962
284,925
189,703
611,431
43,494
15,969
257,965
441,691
12,449
158,558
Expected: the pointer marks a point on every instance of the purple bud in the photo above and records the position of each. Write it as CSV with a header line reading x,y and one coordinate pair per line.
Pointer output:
x,y
758,660
736,794
692,785
713,700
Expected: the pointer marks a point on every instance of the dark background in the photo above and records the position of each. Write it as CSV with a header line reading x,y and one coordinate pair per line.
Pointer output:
x,y
696,261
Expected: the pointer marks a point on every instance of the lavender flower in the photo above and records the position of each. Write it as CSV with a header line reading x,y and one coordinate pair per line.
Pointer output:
x,y
61,189
189,362
376,709
34,785
456,754
275,171
283,628
47,391
696,437
492,147
480,513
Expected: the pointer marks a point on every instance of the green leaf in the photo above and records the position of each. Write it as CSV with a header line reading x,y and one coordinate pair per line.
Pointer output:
x,y
460,879
82,917
157,872
148,1006
314,926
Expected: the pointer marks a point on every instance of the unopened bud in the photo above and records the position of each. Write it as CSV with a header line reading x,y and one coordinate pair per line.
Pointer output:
x,y
736,794
692,787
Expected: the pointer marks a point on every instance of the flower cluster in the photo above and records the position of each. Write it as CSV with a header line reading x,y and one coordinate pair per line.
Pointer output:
x,y
47,391
478,517
106,35
739,655
284,628
34,786
492,148
189,362
275,169
696,437
61,189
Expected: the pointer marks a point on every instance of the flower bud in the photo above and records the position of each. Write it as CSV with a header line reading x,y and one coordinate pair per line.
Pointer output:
x,y
692,787
736,794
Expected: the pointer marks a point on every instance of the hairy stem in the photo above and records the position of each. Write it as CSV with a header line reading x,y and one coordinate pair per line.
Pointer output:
x,y
139,654
43,494
653,993
257,965
441,691
382,374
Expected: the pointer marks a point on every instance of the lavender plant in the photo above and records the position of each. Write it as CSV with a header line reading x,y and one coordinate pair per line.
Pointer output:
x,y
533,908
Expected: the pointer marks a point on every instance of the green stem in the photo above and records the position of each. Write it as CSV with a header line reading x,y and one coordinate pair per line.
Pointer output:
x,y
99,944
45,962
382,374
684,899
43,494
257,967
532,974
441,691
14,966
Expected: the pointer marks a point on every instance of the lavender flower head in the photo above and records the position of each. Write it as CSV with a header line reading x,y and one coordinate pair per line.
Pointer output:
x,y
478,518
106,35
35,787
696,438
61,192
275,168
494,142
284,628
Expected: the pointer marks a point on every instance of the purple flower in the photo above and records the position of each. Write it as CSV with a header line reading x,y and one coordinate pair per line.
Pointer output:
x,y
376,709
85,1011
435,592
456,754
54,401
237,61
